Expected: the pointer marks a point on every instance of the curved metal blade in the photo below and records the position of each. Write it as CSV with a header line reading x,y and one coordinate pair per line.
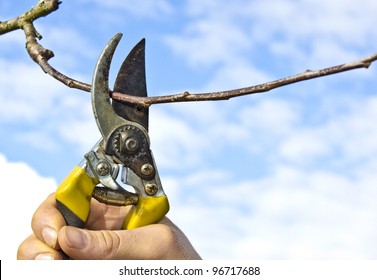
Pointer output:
x,y
107,120
131,80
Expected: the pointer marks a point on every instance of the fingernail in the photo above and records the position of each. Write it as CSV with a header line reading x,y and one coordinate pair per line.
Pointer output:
x,y
44,256
50,236
76,238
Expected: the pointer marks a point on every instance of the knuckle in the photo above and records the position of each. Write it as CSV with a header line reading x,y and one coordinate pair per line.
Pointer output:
x,y
109,243
169,234
169,238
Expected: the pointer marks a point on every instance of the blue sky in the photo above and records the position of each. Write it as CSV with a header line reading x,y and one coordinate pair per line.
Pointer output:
x,y
289,174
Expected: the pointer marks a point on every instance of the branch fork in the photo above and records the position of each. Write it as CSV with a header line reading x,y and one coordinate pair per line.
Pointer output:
x,y
41,56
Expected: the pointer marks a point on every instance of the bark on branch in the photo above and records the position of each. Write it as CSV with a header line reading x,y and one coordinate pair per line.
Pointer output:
x,y
41,56
36,51
225,95
43,8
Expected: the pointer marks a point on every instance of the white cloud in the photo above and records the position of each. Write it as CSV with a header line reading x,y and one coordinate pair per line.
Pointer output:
x,y
205,43
315,198
349,136
70,47
79,127
291,214
321,19
175,143
24,95
237,74
274,114
23,190
47,109
40,139
301,34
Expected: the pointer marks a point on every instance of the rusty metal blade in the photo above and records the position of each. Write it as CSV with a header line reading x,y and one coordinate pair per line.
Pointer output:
x,y
131,80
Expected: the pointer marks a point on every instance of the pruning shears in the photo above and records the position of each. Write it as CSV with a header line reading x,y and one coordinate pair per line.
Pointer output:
x,y
124,146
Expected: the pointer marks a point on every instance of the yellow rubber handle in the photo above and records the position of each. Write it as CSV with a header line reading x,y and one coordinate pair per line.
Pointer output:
x,y
149,210
73,196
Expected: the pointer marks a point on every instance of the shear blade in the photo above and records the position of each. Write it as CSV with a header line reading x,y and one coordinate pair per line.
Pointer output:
x,y
131,80
107,120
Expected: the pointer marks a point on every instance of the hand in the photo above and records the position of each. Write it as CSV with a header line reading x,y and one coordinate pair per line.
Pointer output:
x,y
102,238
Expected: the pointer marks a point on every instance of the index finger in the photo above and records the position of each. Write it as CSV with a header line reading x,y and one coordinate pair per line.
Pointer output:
x,y
47,221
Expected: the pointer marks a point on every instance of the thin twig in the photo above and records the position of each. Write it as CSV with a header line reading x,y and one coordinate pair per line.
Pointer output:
x,y
225,95
36,51
41,56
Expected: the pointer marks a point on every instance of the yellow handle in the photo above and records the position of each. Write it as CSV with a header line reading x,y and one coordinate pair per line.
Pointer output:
x,y
73,196
149,210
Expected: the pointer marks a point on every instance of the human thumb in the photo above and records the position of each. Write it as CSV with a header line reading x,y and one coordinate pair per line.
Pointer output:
x,y
83,244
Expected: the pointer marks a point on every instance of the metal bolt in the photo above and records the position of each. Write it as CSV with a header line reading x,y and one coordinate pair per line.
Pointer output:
x,y
103,168
131,144
151,189
147,169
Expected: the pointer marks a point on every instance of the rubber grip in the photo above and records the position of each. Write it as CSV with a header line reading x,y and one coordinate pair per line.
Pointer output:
x,y
73,197
74,194
148,210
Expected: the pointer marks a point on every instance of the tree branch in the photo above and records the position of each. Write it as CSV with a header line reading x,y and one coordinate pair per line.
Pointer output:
x,y
225,95
43,8
41,56
36,51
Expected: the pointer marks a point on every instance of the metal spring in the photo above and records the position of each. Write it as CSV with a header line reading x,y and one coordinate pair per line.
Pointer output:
x,y
115,198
